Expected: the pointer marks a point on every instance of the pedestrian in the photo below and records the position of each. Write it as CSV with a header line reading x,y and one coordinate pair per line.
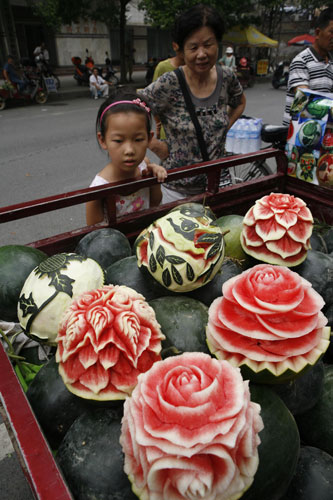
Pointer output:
x,y
98,85
228,59
123,129
41,55
164,66
11,76
169,64
215,95
313,67
129,61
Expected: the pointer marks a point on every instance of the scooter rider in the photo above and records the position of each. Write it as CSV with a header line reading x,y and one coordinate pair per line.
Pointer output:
x,y
11,75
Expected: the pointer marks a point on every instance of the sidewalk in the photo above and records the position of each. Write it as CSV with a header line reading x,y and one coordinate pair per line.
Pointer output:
x,y
69,89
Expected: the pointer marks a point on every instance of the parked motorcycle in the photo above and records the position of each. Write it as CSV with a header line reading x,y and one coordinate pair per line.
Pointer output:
x,y
281,75
35,91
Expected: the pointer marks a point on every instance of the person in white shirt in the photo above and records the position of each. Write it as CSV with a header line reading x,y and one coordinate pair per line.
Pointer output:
x,y
98,84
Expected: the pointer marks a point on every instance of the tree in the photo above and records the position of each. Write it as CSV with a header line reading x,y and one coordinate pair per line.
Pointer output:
x,y
54,13
162,13
113,12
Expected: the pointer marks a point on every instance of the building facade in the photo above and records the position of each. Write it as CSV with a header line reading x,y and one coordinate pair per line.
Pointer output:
x,y
21,31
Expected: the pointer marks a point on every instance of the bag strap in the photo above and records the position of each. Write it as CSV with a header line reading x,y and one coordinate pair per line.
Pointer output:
x,y
191,110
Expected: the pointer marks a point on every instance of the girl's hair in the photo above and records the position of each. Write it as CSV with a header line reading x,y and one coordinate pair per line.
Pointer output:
x,y
122,103
196,17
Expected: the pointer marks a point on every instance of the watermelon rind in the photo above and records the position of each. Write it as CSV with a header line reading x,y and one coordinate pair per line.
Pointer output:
x,y
266,372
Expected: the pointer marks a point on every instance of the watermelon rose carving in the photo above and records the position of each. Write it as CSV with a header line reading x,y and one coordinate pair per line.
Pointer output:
x,y
277,230
181,250
190,431
107,337
269,323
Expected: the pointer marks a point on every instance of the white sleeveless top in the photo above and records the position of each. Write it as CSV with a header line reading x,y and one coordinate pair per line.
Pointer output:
x,y
131,202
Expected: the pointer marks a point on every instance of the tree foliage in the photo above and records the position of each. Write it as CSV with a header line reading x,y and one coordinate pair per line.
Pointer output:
x,y
54,13
162,13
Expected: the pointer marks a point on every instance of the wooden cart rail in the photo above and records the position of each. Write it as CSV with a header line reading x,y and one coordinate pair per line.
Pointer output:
x,y
236,198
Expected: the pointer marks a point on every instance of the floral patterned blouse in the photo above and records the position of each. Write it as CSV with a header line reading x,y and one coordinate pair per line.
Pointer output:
x,y
166,100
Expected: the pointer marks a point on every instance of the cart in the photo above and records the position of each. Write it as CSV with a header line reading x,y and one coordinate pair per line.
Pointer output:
x,y
35,456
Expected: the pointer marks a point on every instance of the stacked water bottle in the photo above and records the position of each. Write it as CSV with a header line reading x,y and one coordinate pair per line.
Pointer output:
x,y
244,136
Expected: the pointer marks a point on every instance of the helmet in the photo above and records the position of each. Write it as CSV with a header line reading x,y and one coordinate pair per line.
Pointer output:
x,y
243,61
229,50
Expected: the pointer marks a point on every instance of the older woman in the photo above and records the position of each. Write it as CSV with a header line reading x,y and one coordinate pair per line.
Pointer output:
x,y
214,90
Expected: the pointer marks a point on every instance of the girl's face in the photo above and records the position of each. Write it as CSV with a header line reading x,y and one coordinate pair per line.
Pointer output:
x,y
126,140
201,50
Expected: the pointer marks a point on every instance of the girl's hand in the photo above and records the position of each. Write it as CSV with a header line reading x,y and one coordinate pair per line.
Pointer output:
x,y
158,171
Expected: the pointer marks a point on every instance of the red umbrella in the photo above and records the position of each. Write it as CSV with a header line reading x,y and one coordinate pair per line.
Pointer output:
x,y
302,40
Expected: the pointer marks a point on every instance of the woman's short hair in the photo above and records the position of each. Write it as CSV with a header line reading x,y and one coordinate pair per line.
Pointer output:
x,y
196,17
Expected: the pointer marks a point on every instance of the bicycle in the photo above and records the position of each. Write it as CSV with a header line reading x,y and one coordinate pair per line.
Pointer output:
x,y
276,137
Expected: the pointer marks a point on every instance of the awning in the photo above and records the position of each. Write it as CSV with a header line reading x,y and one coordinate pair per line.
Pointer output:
x,y
248,36
302,40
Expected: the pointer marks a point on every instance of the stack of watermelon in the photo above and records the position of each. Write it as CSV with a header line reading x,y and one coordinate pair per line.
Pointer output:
x,y
292,384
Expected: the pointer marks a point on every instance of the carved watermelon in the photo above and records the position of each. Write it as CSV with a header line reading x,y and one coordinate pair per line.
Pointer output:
x,y
190,430
269,323
107,337
277,230
49,289
180,251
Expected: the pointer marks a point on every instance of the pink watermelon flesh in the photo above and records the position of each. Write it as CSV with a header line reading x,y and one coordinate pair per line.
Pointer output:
x,y
261,350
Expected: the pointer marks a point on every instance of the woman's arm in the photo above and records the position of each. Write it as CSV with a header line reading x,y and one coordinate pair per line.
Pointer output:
x,y
235,113
94,212
160,148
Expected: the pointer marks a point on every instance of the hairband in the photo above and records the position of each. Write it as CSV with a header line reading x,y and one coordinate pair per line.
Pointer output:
x,y
137,101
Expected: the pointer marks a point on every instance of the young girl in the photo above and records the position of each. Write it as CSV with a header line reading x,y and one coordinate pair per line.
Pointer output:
x,y
123,129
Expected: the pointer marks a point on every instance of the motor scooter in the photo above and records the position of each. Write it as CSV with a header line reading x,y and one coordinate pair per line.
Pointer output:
x,y
81,72
110,74
245,73
45,69
35,91
281,75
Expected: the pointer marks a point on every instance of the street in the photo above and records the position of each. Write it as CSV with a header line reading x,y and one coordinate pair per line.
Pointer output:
x,y
52,149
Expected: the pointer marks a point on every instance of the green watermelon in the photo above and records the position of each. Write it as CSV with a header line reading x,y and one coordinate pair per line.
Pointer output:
x,y
213,289
126,272
16,263
106,246
301,394
232,226
313,478
315,425
54,406
183,321
279,448
318,269
91,457
328,237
